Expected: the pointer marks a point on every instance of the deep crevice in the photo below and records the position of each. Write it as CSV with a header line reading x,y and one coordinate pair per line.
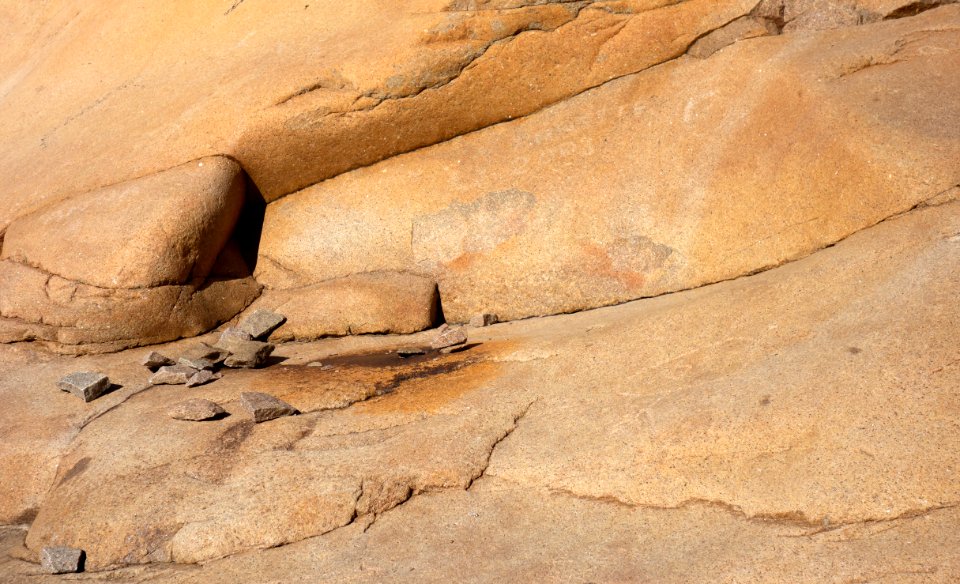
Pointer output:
x,y
914,8
249,226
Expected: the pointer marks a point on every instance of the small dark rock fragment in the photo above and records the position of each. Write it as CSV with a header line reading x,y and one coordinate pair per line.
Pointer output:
x,y
411,351
172,375
86,385
261,323
483,319
448,336
247,354
196,410
155,360
61,560
264,407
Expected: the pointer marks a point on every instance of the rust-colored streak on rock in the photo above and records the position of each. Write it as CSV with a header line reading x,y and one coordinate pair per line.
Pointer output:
x,y
430,392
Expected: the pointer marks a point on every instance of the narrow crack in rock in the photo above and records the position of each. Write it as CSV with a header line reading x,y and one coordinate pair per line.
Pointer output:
x,y
493,447
792,518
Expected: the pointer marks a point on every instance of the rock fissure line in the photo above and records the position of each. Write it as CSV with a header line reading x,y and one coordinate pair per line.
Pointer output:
x,y
486,464
679,54
471,59
793,518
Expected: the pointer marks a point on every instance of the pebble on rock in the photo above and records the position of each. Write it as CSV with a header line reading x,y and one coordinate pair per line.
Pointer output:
x,y
261,323
86,385
172,375
483,319
202,376
247,354
264,407
196,410
155,360
448,336
61,560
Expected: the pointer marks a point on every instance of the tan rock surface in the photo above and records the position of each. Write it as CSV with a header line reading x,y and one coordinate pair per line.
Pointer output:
x,y
813,421
167,228
332,99
269,83
686,174
384,302
68,316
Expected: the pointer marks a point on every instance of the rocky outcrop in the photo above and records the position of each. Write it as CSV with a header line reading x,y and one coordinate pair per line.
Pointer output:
x,y
690,173
140,262
777,137
819,412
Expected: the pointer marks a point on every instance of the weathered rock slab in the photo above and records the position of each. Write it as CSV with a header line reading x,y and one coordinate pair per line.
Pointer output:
x,y
86,385
178,374
154,360
449,336
264,407
260,323
61,560
247,354
196,410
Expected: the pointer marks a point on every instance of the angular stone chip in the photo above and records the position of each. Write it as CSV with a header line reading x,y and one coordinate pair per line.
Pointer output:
x,y
61,560
261,323
172,375
231,335
196,410
483,319
202,356
203,376
155,360
248,354
86,385
448,336
264,407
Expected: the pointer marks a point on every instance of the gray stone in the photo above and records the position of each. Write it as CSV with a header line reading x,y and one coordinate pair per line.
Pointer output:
x,y
248,354
86,385
261,323
264,407
315,364
202,356
231,335
448,336
202,376
155,360
483,319
61,560
196,410
172,375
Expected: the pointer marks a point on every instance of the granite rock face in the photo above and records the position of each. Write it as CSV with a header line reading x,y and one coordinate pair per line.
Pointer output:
x,y
536,115
721,236
140,262
693,172
819,415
